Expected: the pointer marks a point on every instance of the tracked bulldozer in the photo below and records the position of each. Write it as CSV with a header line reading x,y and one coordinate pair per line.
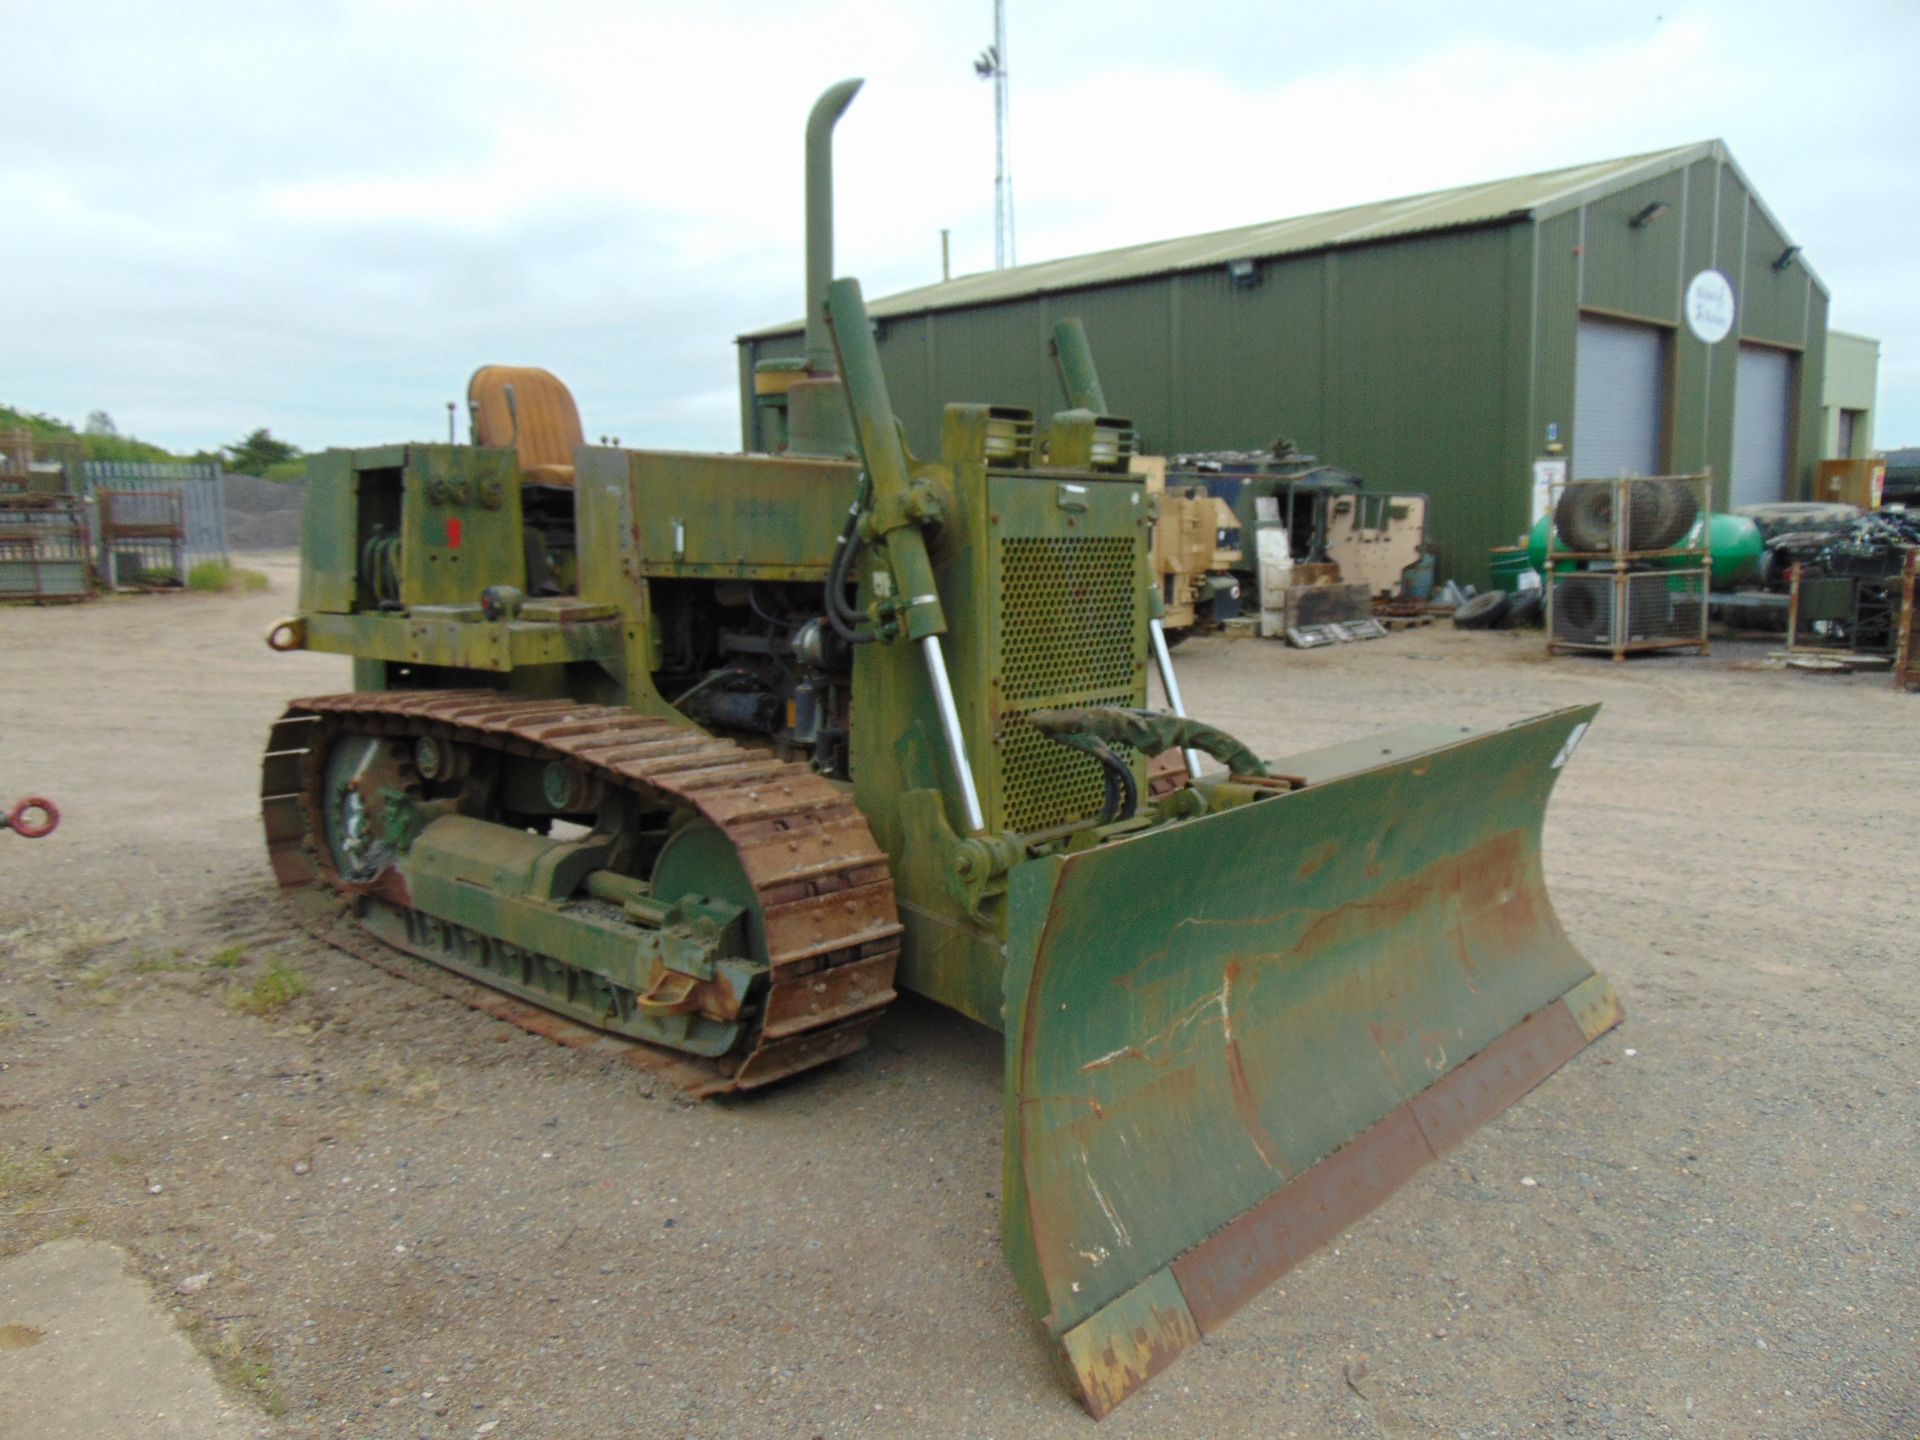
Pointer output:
x,y
714,753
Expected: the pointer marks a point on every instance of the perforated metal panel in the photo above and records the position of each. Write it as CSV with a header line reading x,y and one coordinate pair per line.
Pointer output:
x,y
1070,622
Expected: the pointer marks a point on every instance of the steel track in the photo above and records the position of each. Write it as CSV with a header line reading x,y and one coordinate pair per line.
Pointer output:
x,y
822,884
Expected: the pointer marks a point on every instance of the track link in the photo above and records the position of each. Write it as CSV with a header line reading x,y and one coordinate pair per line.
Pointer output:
x,y
824,889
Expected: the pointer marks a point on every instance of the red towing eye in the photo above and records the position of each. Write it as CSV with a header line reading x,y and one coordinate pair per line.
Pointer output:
x,y
31,818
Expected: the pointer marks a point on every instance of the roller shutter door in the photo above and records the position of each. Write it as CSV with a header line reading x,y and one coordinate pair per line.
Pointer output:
x,y
1618,399
1762,421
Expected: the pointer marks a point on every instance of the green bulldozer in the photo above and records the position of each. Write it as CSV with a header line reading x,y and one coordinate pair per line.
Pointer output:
x,y
712,753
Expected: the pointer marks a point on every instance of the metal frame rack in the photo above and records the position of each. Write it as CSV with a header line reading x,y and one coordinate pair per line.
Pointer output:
x,y
1906,663
1623,599
45,553
147,527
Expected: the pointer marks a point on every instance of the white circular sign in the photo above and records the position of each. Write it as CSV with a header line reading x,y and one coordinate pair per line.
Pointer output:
x,y
1710,306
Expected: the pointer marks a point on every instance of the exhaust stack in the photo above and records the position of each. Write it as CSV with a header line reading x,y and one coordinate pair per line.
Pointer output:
x,y
827,111
801,403
1074,356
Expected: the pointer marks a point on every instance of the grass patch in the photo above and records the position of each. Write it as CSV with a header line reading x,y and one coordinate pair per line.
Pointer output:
x,y
85,942
160,964
247,1366
231,958
223,577
23,1175
272,991
9,1022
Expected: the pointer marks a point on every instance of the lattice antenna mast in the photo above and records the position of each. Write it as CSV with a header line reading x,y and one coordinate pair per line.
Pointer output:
x,y
992,65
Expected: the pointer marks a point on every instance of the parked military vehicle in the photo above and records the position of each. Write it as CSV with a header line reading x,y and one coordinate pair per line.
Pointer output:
x,y
1273,532
715,752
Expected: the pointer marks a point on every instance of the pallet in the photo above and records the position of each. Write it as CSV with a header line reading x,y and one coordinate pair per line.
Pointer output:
x,y
1334,632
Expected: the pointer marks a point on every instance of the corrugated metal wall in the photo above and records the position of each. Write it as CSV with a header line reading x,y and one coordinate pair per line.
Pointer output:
x,y
1430,363
1197,362
202,490
1597,258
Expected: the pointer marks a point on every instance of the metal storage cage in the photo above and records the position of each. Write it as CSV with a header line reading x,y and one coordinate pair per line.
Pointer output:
x,y
1628,564
44,549
44,553
143,537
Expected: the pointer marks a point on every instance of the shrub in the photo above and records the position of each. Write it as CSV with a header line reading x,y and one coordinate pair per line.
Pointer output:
x,y
223,577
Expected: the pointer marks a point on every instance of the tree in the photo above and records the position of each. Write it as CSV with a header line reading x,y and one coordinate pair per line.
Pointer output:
x,y
254,454
99,422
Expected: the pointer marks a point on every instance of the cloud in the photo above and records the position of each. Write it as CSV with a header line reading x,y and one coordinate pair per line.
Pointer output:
x,y
322,219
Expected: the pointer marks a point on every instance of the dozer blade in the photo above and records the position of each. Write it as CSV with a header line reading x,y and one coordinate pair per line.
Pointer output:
x,y
1229,1038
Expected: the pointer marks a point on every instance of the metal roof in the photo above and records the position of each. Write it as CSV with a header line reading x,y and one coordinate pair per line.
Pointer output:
x,y
1536,197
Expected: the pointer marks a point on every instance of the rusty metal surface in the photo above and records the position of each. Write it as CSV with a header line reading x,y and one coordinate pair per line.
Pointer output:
x,y
1222,1273
33,818
1219,1087
144,529
1128,1343
684,1073
1906,664
822,884
1140,1333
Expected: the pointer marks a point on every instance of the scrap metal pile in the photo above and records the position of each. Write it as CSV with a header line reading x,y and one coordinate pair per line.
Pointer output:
x,y
1867,547
1835,570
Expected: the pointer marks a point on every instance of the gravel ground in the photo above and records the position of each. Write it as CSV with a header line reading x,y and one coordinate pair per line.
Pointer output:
x,y
416,1221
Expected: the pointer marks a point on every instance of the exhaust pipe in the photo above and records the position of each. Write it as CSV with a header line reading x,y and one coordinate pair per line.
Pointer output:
x,y
799,405
1074,356
827,111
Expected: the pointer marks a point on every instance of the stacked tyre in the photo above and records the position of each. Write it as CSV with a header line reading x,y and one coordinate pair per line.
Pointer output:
x,y
1659,514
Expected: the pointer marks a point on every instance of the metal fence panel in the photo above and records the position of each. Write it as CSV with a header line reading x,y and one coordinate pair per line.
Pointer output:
x,y
202,489
45,551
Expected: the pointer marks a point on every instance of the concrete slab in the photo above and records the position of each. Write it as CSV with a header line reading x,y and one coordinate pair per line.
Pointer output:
x,y
86,1349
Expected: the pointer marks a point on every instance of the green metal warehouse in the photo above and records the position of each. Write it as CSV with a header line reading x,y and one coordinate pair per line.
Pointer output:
x,y
1643,315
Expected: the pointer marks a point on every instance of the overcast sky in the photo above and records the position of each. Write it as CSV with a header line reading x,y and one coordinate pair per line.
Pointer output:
x,y
321,218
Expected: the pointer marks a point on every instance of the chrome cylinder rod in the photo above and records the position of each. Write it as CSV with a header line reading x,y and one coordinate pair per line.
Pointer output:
x,y
956,743
1163,659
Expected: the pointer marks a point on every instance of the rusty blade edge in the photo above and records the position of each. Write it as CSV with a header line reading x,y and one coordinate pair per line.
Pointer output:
x,y
1230,1267
1250,1252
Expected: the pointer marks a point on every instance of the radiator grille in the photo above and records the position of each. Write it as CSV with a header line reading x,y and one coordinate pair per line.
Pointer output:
x,y
1067,617
1070,624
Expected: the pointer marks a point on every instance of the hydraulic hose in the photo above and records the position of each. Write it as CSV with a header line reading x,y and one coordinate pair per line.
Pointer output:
x,y
846,621
1122,791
